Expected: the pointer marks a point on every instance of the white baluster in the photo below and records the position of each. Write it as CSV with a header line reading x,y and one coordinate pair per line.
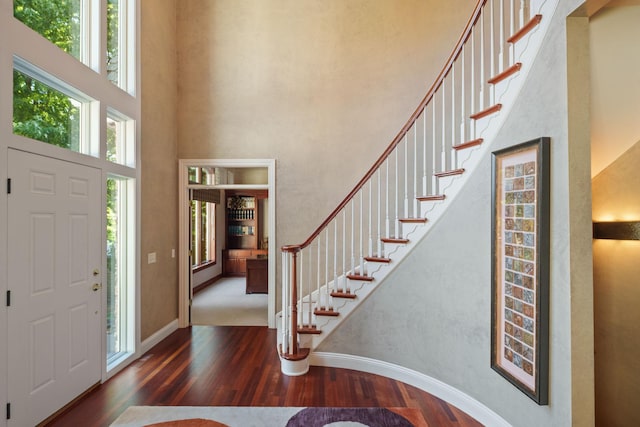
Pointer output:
x,y
452,140
370,250
512,30
345,282
387,220
425,190
326,268
463,97
285,303
301,292
416,214
363,272
353,238
502,39
491,52
336,285
406,177
309,289
379,221
395,194
434,154
443,143
482,67
472,77
313,304
321,304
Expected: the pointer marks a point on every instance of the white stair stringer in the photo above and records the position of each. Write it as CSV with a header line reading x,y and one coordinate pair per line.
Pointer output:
x,y
487,128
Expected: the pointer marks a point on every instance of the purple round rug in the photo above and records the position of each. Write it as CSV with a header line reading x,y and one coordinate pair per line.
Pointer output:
x,y
371,417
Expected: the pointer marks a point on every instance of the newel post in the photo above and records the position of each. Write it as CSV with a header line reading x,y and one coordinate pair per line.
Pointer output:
x,y
293,359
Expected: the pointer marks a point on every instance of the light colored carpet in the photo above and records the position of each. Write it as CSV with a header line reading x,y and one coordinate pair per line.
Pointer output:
x,y
225,303
239,416
137,416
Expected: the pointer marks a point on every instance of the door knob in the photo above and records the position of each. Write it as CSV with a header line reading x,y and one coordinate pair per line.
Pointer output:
x,y
96,287
96,272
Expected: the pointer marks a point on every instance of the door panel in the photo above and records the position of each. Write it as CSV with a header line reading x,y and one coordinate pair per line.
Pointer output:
x,y
55,235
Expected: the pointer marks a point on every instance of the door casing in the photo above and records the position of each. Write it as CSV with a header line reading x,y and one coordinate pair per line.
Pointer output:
x,y
183,246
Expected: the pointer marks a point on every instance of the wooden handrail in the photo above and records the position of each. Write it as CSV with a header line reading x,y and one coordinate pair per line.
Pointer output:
x,y
394,143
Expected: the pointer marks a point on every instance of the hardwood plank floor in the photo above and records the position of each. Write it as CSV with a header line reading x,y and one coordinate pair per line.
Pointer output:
x,y
239,366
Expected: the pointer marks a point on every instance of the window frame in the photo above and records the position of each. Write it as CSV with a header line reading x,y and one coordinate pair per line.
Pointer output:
x,y
43,58
87,109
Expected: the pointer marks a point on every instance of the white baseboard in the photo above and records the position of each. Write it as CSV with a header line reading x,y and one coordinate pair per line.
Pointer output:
x,y
424,382
158,336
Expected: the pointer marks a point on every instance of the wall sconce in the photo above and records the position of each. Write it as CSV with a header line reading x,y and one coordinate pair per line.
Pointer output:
x,y
622,230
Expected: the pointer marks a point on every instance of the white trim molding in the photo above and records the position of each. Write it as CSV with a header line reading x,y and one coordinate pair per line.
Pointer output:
x,y
417,379
158,336
183,226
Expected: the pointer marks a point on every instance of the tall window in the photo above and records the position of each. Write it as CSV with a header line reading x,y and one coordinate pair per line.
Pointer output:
x,y
203,231
120,52
73,107
49,114
59,21
203,216
120,139
120,267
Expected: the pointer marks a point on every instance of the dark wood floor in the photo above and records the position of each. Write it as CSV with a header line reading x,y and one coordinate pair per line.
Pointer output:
x,y
239,366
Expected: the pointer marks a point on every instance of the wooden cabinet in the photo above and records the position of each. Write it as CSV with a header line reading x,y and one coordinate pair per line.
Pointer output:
x,y
243,230
257,275
235,260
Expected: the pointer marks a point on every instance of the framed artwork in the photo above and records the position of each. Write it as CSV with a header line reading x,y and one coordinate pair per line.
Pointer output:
x,y
520,268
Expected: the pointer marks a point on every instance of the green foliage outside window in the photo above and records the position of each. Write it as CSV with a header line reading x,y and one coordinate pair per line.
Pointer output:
x,y
56,20
48,115
44,114
112,40
39,111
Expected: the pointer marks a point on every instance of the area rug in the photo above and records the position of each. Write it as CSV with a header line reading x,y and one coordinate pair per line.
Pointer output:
x,y
241,416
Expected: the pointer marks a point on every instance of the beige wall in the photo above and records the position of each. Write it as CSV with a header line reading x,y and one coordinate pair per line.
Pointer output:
x,y
615,59
615,86
441,295
159,289
617,295
322,86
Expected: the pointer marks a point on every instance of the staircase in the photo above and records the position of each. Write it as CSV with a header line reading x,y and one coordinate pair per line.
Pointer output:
x,y
410,186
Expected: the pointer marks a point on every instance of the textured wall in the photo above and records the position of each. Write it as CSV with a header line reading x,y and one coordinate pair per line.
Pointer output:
x,y
615,86
441,296
322,86
617,295
159,287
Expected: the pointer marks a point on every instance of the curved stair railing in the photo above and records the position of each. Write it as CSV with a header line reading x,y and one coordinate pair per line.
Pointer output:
x,y
372,228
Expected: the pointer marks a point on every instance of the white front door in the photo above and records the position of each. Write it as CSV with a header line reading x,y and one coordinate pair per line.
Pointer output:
x,y
55,242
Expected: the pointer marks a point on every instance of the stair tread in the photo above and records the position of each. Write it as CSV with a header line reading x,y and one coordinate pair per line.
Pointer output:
x,y
533,22
413,220
302,354
449,173
377,259
359,277
506,73
325,312
394,240
340,294
309,330
468,144
486,112
432,197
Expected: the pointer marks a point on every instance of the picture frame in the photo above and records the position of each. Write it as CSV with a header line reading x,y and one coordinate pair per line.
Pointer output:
x,y
520,266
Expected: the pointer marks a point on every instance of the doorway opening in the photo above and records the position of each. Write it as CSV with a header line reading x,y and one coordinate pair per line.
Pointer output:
x,y
226,218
